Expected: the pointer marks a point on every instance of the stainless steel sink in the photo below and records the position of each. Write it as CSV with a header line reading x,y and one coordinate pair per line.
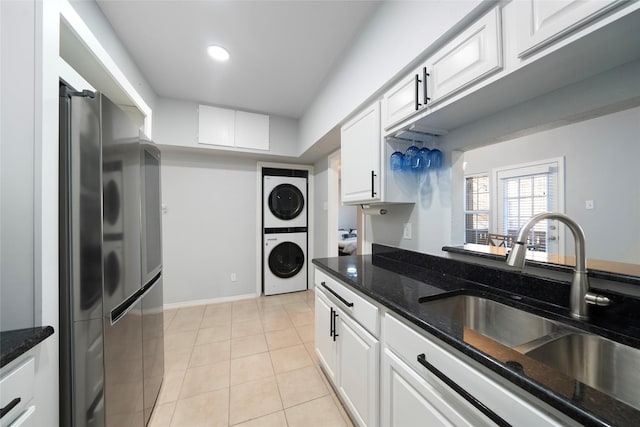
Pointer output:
x,y
507,325
603,364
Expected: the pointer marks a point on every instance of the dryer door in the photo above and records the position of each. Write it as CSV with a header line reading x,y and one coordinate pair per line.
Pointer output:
x,y
286,260
286,201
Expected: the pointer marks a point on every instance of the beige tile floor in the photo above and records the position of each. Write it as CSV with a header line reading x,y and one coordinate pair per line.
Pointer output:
x,y
246,363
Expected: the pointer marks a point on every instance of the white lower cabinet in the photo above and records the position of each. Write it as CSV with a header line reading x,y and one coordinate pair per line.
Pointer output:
x,y
350,357
325,344
358,369
408,377
404,377
408,397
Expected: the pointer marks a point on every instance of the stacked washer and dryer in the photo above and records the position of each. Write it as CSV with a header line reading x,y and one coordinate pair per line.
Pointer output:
x,y
284,238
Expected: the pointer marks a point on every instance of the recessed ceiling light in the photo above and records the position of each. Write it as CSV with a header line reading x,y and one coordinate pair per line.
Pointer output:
x,y
218,53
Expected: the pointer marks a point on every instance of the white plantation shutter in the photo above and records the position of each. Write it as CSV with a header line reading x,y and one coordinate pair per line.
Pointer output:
x,y
524,191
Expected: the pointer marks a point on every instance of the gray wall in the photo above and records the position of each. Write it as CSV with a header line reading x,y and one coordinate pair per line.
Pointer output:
x,y
209,227
601,159
17,153
175,122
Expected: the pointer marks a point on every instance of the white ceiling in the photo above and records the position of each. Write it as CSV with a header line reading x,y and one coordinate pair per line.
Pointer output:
x,y
281,51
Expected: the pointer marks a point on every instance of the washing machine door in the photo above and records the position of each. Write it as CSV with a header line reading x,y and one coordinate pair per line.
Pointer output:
x,y
286,260
286,201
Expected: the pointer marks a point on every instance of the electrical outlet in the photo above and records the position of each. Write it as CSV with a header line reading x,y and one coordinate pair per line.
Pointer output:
x,y
234,277
407,231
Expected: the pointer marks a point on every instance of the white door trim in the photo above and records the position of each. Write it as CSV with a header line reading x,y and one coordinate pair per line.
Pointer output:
x,y
333,202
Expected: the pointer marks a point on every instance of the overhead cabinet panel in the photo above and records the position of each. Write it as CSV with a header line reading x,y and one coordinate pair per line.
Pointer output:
x,y
470,57
252,130
543,21
230,128
216,126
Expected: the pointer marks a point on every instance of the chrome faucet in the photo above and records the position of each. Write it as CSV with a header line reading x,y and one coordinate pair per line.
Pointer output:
x,y
580,293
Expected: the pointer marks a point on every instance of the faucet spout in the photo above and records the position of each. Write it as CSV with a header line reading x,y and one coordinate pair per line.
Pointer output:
x,y
580,294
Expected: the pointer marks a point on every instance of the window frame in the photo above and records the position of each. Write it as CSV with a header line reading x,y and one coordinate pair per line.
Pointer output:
x,y
472,211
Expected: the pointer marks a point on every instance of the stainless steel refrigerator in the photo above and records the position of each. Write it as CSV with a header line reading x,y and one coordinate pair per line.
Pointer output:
x,y
111,328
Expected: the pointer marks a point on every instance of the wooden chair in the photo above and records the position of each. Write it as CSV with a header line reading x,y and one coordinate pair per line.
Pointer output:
x,y
499,240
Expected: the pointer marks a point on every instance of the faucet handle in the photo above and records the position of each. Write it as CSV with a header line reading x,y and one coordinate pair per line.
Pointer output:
x,y
596,299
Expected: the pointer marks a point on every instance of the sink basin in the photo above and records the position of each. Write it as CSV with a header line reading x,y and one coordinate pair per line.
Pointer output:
x,y
603,364
507,325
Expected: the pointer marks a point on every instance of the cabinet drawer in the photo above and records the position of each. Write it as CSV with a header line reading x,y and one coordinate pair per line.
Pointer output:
x,y
351,303
408,344
17,383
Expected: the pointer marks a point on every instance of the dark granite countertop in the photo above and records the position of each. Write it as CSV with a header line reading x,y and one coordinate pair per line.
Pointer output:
x,y
15,343
398,279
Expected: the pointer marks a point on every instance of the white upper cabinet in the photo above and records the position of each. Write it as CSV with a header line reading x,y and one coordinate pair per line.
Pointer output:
x,y
360,154
230,128
543,21
470,57
216,126
252,130
403,100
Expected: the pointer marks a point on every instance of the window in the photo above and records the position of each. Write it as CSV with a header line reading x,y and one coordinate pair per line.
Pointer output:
x,y
524,197
523,191
476,209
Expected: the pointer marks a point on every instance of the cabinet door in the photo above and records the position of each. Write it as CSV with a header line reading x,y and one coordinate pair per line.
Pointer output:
x,y
325,345
252,131
541,22
403,100
216,126
407,397
360,155
358,358
470,57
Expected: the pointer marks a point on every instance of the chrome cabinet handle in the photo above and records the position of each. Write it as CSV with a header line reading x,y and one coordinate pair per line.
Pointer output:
x,y
335,294
422,359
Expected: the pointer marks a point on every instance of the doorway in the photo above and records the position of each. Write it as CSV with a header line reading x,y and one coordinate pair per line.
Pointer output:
x,y
344,222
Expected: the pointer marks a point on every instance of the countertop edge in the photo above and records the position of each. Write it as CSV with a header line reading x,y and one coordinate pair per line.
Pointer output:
x,y
17,342
596,274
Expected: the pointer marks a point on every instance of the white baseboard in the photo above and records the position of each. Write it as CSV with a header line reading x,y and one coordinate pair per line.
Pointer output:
x,y
219,300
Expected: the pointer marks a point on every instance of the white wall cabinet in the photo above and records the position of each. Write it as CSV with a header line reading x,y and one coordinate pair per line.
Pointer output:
x,y
360,156
365,174
470,57
542,22
252,130
405,99
230,128
473,55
